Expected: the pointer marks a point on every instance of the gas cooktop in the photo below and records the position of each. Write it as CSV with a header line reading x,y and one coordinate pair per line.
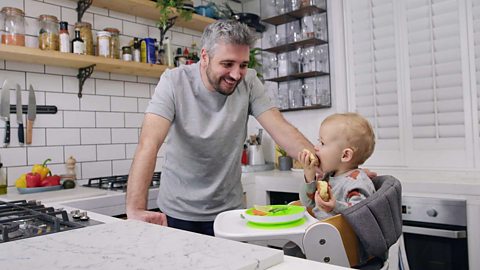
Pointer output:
x,y
118,182
24,219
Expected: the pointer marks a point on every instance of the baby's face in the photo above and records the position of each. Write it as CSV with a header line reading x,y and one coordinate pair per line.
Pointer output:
x,y
329,148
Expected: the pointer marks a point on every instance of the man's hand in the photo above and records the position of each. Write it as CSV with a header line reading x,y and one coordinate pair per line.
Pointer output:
x,y
308,164
326,206
149,216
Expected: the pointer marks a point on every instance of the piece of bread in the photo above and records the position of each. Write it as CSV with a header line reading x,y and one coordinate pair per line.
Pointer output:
x,y
312,156
322,187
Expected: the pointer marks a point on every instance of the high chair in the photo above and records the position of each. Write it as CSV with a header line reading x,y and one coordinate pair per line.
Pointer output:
x,y
360,237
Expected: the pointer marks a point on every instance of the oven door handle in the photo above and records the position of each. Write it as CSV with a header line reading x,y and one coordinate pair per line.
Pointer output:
x,y
435,232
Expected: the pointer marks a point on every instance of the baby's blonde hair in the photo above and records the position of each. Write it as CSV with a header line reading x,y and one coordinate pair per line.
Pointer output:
x,y
357,132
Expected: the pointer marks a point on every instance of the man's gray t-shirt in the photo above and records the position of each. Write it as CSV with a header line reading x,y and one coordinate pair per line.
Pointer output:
x,y
201,173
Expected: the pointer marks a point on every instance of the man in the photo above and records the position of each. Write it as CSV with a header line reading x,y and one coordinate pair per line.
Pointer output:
x,y
204,109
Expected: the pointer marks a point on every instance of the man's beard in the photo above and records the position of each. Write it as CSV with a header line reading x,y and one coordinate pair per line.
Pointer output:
x,y
216,83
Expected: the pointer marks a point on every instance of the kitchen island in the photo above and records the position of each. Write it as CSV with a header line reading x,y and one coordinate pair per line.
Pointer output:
x,y
127,244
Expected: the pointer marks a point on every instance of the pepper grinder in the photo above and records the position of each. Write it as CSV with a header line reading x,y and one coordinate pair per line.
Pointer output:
x,y
70,164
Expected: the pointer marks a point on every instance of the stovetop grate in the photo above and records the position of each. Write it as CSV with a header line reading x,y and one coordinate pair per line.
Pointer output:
x,y
118,182
23,219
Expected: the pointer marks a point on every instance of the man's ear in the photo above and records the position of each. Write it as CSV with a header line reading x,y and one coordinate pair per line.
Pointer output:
x,y
347,155
204,56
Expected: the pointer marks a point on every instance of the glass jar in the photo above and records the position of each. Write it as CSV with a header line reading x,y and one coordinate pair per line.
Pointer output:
x,y
12,24
127,53
48,34
103,43
86,35
114,42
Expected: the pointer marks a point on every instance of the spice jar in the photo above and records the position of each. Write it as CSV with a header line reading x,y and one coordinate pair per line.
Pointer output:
x,y
103,43
114,42
48,34
85,29
127,53
12,23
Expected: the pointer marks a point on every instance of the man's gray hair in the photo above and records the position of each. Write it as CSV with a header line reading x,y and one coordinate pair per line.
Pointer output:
x,y
228,32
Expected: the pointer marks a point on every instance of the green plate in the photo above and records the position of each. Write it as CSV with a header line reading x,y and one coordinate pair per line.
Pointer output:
x,y
289,214
275,226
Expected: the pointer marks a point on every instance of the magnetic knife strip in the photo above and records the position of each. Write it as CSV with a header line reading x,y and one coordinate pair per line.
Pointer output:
x,y
41,109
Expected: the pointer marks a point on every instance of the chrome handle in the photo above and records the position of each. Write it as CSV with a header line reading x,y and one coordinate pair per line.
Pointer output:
x,y
435,232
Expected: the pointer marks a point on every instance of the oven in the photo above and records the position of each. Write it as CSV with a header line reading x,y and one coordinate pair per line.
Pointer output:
x,y
435,233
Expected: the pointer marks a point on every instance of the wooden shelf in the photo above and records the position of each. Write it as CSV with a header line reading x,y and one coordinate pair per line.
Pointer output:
x,y
148,9
313,107
295,76
54,58
293,15
295,45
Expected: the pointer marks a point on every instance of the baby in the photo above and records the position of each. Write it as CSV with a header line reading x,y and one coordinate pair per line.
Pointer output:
x,y
345,142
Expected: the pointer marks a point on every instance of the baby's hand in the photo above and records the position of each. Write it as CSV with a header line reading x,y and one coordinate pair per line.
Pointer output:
x,y
305,158
326,206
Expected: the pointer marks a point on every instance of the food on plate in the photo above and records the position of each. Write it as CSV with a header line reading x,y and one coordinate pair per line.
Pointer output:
x,y
42,169
40,176
263,210
68,183
313,158
53,180
21,182
322,187
33,180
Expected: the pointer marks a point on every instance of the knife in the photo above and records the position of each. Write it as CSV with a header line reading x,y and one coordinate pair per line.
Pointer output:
x,y
21,136
5,111
31,113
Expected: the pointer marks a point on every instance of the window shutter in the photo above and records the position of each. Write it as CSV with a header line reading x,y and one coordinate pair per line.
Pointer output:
x,y
476,44
437,105
372,73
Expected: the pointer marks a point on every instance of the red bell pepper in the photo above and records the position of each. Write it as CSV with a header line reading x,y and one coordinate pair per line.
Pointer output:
x,y
53,180
33,180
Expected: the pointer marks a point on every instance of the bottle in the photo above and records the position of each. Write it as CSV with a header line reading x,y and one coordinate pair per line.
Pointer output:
x,y
85,29
177,57
168,52
3,180
161,56
78,46
64,38
136,50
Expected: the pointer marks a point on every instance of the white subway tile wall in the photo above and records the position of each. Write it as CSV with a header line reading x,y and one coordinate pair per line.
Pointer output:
x,y
101,129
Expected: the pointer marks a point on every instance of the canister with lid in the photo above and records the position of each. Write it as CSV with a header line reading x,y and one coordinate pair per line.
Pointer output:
x,y
12,25
114,42
103,43
86,35
48,33
127,53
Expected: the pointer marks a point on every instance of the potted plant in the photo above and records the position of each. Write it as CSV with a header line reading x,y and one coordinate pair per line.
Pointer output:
x,y
254,62
284,161
167,11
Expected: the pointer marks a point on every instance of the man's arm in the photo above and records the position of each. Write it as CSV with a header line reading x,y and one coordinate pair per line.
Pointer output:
x,y
283,133
154,130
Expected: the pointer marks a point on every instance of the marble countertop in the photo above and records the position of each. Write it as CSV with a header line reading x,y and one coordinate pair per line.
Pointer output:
x,y
139,245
